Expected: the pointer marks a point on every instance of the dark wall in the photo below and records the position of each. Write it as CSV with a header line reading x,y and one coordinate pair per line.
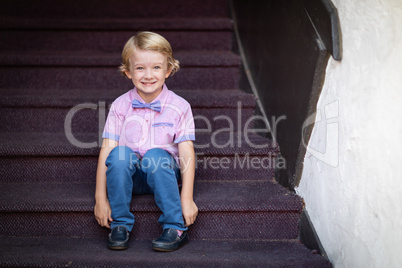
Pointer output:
x,y
287,61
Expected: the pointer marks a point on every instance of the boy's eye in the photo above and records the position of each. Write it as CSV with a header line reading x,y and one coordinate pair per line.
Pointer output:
x,y
139,68
157,67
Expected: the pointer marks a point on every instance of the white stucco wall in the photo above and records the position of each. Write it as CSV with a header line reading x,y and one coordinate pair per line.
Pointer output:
x,y
352,177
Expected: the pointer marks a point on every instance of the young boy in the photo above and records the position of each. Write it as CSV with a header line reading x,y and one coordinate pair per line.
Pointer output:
x,y
147,148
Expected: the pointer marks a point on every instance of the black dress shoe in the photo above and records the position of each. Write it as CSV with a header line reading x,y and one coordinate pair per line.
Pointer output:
x,y
118,238
170,240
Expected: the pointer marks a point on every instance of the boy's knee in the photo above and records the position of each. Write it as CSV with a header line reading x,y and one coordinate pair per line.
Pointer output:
x,y
156,153
122,156
156,159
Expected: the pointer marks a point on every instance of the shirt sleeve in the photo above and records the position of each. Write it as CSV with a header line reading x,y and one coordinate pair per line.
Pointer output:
x,y
113,124
186,129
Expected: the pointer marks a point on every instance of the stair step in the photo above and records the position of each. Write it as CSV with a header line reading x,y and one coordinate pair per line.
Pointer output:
x,y
234,206
57,144
67,98
47,110
108,40
87,119
50,157
114,9
109,35
118,24
83,78
73,169
197,253
201,69
219,196
97,59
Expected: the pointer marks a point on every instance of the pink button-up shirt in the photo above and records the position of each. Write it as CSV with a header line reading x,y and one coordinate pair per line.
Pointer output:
x,y
142,129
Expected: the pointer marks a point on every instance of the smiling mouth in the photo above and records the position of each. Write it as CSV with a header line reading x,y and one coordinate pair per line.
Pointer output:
x,y
148,83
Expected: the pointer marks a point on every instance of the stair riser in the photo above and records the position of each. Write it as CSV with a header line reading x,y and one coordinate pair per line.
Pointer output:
x,y
83,169
108,41
209,225
109,78
115,9
73,252
87,120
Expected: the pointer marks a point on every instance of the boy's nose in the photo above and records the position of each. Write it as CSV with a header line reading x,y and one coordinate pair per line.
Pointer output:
x,y
148,73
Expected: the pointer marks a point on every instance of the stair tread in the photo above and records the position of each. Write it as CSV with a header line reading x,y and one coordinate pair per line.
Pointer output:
x,y
114,9
119,24
199,253
196,58
210,196
46,169
198,98
57,144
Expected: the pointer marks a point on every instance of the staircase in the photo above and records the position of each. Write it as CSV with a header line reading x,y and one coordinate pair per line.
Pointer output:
x,y
58,69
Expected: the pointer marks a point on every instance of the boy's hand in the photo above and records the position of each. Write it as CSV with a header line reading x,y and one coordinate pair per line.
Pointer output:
x,y
103,213
190,211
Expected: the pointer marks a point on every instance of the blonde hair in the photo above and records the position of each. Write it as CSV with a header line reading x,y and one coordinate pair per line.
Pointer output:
x,y
148,41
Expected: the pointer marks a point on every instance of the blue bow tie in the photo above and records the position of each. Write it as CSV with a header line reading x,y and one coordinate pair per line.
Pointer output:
x,y
156,106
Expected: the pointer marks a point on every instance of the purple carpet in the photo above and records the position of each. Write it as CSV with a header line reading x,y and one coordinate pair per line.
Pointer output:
x,y
64,55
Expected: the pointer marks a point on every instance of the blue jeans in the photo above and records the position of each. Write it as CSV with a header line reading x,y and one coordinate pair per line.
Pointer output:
x,y
156,173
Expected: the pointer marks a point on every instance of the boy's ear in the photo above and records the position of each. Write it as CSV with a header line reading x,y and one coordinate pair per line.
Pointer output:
x,y
169,71
128,74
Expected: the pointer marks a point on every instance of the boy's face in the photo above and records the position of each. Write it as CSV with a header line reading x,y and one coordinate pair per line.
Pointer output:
x,y
148,71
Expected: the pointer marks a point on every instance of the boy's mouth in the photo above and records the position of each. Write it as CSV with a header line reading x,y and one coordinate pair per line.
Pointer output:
x,y
148,83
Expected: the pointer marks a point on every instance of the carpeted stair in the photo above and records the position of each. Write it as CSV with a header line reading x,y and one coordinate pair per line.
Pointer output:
x,y
58,67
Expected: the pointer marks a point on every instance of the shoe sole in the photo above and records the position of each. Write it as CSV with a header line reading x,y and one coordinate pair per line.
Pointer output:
x,y
117,246
162,249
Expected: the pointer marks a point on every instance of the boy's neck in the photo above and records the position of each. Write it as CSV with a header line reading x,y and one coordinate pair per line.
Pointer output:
x,y
148,98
